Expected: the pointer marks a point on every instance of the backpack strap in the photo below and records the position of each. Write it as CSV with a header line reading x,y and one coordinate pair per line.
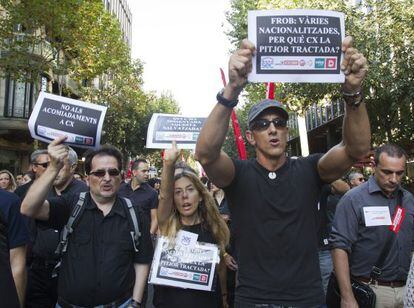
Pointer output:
x,y
68,228
135,233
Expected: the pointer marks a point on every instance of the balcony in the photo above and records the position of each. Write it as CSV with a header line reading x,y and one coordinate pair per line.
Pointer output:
x,y
317,116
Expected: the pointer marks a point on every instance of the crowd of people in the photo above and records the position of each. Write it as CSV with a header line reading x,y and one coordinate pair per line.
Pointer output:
x,y
290,231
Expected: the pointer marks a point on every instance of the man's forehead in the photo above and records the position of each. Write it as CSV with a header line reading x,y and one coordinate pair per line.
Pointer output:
x,y
42,158
103,161
391,162
142,166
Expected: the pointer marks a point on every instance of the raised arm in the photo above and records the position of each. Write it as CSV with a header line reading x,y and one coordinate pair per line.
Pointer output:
x,y
216,163
166,199
356,131
34,204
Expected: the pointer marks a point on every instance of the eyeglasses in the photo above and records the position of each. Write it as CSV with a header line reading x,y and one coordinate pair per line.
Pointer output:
x,y
262,124
361,179
44,165
102,172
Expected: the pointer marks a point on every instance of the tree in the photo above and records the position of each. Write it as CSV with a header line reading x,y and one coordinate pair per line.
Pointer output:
x,y
383,31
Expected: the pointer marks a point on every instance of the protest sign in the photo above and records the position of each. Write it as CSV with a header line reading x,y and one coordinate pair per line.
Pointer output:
x,y
164,128
55,116
296,45
183,265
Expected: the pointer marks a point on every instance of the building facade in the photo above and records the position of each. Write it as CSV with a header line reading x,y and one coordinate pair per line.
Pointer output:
x,y
18,98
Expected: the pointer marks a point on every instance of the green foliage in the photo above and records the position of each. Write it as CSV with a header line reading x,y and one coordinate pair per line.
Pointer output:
x,y
383,31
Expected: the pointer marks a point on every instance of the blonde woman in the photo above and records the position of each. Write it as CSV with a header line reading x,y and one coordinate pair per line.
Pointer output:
x,y
7,181
186,204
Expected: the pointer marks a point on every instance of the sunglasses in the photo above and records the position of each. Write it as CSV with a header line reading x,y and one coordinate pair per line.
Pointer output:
x,y
102,172
44,165
361,179
263,124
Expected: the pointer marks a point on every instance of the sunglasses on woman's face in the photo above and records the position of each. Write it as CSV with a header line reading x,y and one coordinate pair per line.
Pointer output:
x,y
102,172
263,124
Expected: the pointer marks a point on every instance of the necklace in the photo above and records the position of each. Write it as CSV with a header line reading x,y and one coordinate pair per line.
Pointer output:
x,y
272,175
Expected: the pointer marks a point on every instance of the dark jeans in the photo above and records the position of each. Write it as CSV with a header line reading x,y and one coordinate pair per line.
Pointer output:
x,y
41,289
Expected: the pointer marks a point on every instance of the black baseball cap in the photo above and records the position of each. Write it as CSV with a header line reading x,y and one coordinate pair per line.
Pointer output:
x,y
262,106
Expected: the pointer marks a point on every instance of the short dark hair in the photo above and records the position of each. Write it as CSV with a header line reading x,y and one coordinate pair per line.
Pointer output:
x,y
105,150
137,162
391,150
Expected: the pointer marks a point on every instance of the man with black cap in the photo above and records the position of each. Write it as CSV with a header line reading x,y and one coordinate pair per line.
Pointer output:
x,y
273,198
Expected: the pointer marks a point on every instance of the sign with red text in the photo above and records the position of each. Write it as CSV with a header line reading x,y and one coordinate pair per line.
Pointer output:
x,y
296,45
54,116
184,265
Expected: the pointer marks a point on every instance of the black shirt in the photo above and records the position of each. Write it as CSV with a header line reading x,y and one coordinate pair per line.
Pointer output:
x,y
46,239
166,296
275,227
98,265
13,234
145,197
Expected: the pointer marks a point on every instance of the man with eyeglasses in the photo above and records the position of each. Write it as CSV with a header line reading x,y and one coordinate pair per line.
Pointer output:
x,y
273,198
355,179
42,280
100,265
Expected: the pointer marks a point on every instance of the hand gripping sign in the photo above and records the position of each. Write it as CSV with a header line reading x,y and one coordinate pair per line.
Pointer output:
x,y
55,116
296,45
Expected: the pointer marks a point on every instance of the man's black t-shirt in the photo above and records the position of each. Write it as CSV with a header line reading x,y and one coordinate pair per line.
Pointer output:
x,y
275,226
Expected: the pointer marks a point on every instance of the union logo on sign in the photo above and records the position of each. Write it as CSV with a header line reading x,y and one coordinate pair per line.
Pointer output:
x,y
330,63
319,63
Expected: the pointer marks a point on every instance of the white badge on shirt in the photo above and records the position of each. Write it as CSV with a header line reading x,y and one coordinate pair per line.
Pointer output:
x,y
186,238
377,216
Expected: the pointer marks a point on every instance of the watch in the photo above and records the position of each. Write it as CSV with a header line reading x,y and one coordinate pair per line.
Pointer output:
x,y
226,102
353,99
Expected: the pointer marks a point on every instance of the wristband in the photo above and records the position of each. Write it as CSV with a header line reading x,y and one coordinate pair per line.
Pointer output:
x,y
226,102
353,99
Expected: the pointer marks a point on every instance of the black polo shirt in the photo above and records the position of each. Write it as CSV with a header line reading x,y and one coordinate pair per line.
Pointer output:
x,y
98,267
46,239
275,223
145,197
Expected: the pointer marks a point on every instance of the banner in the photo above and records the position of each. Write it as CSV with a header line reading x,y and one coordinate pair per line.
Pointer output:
x,y
164,128
296,45
184,265
55,116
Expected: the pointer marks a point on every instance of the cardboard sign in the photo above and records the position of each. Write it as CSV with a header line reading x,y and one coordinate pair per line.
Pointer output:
x,y
184,266
164,128
55,116
296,45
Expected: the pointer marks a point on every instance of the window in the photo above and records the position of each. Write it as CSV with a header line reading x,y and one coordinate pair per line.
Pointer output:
x,y
19,99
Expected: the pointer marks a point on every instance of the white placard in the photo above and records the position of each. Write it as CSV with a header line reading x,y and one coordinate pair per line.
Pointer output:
x,y
164,128
55,116
377,216
184,266
296,45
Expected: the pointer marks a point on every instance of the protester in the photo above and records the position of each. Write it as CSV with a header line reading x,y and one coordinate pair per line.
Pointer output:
x,y
155,183
7,181
39,161
220,199
13,239
141,193
103,261
186,204
273,199
359,235
42,277
355,179
19,179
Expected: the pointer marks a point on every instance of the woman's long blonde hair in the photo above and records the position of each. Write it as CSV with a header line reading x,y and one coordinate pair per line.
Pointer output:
x,y
208,213
12,183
